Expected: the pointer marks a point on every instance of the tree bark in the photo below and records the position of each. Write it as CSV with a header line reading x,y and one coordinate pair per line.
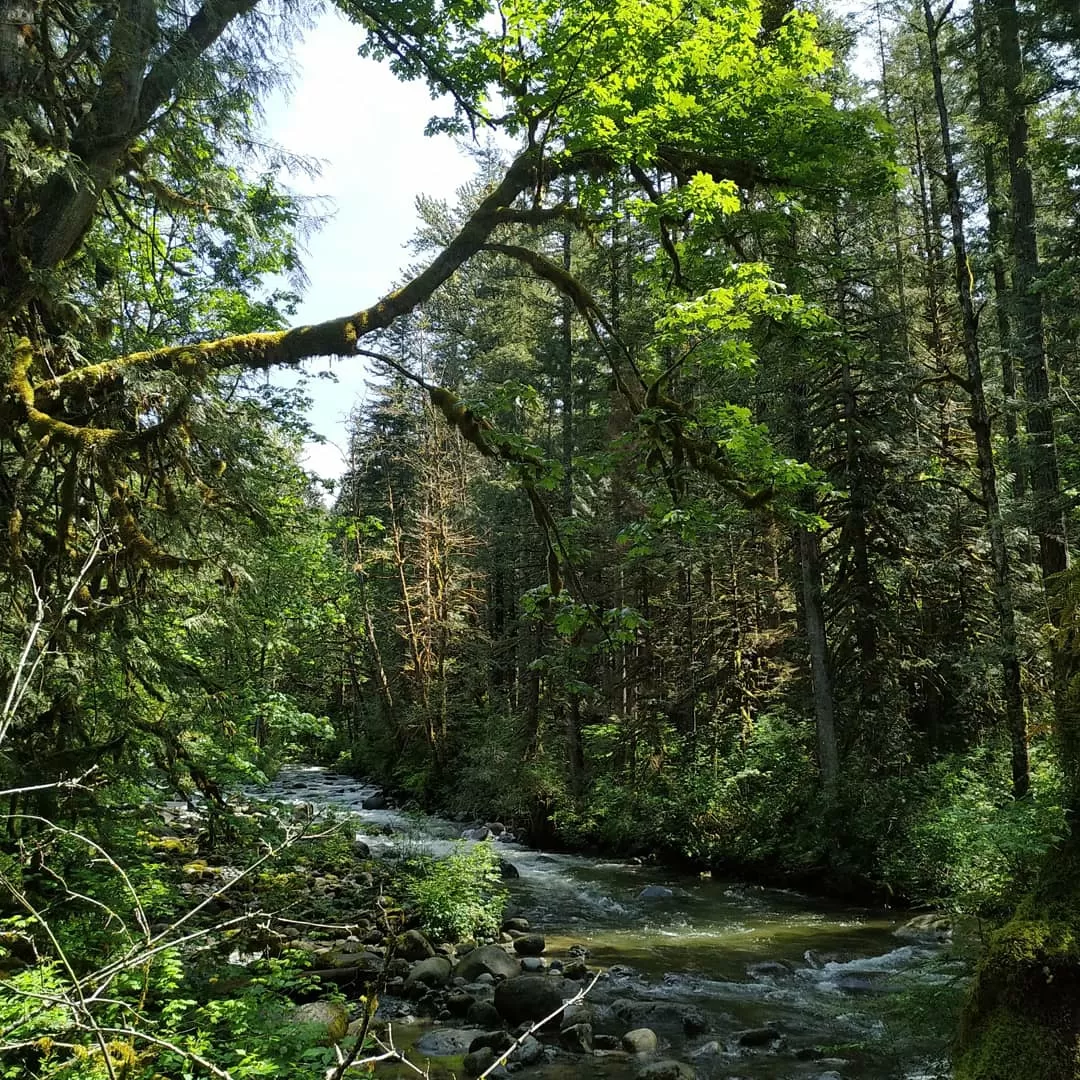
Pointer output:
x,y
979,420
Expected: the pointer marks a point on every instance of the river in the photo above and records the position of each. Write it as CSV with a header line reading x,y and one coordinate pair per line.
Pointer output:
x,y
828,977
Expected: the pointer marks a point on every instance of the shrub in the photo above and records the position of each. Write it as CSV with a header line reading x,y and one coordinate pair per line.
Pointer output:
x,y
460,896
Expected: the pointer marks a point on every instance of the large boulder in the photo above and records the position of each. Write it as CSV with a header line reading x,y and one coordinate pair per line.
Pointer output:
x,y
326,1021
375,802
487,960
434,971
528,998
507,870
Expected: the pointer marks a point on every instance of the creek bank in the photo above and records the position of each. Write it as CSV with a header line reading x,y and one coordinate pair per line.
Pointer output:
x,y
714,969
842,883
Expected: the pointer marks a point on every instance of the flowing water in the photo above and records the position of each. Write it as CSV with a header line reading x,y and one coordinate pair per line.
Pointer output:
x,y
826,976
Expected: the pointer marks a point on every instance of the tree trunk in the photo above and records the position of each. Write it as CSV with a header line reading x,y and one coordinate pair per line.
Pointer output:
x,y
814,614
1015,718
1022,1018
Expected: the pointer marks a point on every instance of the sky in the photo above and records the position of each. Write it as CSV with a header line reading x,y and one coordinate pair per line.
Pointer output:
x,y
367,129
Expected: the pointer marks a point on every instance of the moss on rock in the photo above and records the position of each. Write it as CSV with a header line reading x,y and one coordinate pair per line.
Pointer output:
x,y
1022,1018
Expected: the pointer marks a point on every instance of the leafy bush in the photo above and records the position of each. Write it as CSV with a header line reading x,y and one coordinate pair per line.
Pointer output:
x,y
460,896
967,842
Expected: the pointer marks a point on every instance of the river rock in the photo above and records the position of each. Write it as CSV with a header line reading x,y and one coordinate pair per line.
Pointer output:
x,y
605,1042
434,971
459,1003
374,802
487,960
656,892
577,1038
483,1014
528,998
581,1012
530,945
575,970
708,1050
666,1017
754,1037
667,1069
640,1041
478,1061
446,1042
518,924
328,1020
480,833
533,964
414,946
528,1052
361,848
496,828
365,961
499,1041
767,969
507,870
932,927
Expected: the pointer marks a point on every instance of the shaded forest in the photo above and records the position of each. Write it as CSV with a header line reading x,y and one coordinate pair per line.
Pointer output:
x,y
711,500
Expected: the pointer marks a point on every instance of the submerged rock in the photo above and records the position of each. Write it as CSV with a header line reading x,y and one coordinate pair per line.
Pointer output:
x,y
754,1037
666,1017
656,892
446,1042
932,927
667,1069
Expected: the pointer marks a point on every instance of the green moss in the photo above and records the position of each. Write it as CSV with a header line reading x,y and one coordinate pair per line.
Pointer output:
x,y
1006,1046
1022,1019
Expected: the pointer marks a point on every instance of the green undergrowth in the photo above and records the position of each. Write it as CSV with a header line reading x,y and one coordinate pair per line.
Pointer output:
x,y
945,833
125,952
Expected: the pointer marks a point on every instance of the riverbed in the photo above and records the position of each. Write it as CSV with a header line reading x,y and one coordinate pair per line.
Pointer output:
x,y
831,980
